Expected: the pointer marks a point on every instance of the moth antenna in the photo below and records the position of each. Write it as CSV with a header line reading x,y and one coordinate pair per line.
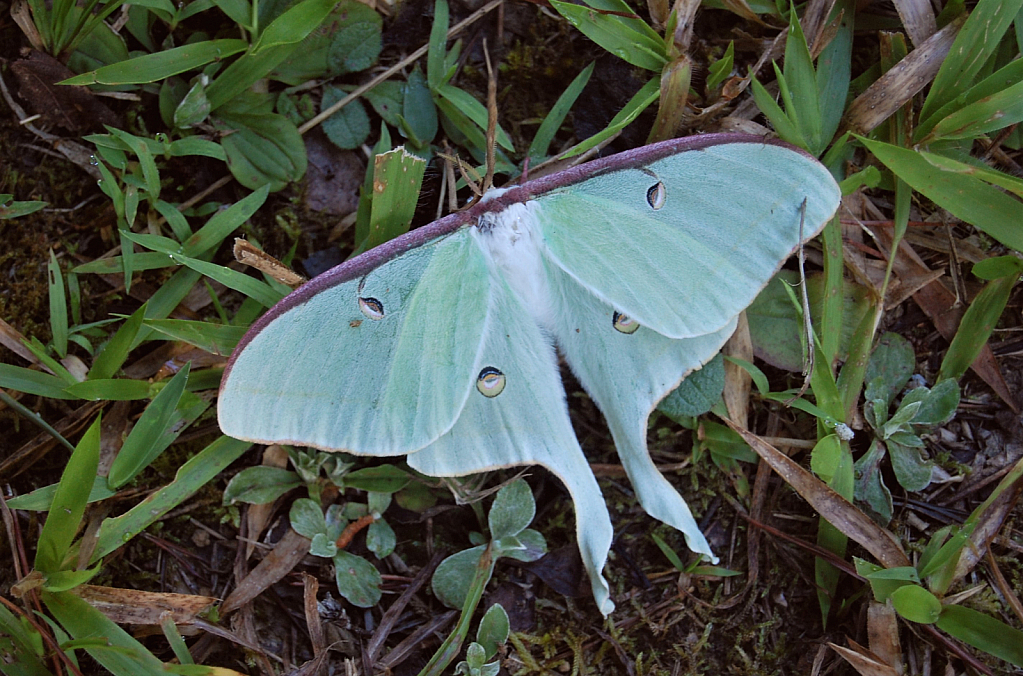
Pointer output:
x,y
808,356
247,254
488,181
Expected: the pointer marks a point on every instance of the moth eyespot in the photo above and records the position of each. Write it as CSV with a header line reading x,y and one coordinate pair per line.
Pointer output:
x,y
624,323
655,196
490,382
372,308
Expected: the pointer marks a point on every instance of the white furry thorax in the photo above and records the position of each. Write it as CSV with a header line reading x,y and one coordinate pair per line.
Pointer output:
x,y
511,239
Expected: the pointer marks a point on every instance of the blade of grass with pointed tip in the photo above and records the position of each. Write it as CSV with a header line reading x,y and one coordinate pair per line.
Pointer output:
x,y
140,261
191,476
58,306
963,194
976,42
161,65
214,338
33,382
976,326
474,110
550,125
629,39
141,448
69,502
114,353
223,223
110,389
639,102
141,148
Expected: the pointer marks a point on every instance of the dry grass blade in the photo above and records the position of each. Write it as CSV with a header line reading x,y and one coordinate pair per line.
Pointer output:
x,y
989,518
285,555
737,379
864,661
131,606
900,84
396,609
918,18
883,634
310,587
249,255
12,339
844,516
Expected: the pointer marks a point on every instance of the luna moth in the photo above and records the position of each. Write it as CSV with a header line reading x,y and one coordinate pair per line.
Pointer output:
x,y
442,344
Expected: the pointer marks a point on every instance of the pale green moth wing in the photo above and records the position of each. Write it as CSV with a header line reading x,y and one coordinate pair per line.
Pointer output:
x,y
684,243
522,419
378,364
627,369
437,344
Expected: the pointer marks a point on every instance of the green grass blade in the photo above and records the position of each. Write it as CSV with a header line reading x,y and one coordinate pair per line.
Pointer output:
x,y
784,126
290,28
141,148
33,382
983,632
966,196
140,261
192,476
223,223
550,125
435,70
474,110
112,357
110,389
802,100
167,297
628,39
976,42
214,338
986,115
639,102
397,178
41,499
58,306
116,650
161,65
976,326
255,289
141,447
69,502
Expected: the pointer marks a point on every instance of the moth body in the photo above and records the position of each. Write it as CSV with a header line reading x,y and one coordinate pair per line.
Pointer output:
x,y
512,242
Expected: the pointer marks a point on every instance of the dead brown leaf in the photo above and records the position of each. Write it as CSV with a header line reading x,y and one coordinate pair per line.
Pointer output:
x,y
131,606
841,514
71,107
285,555
900,84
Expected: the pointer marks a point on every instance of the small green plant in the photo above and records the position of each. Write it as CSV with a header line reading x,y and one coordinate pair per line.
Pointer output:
x,y
898,434
460,579
331,531
490,637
